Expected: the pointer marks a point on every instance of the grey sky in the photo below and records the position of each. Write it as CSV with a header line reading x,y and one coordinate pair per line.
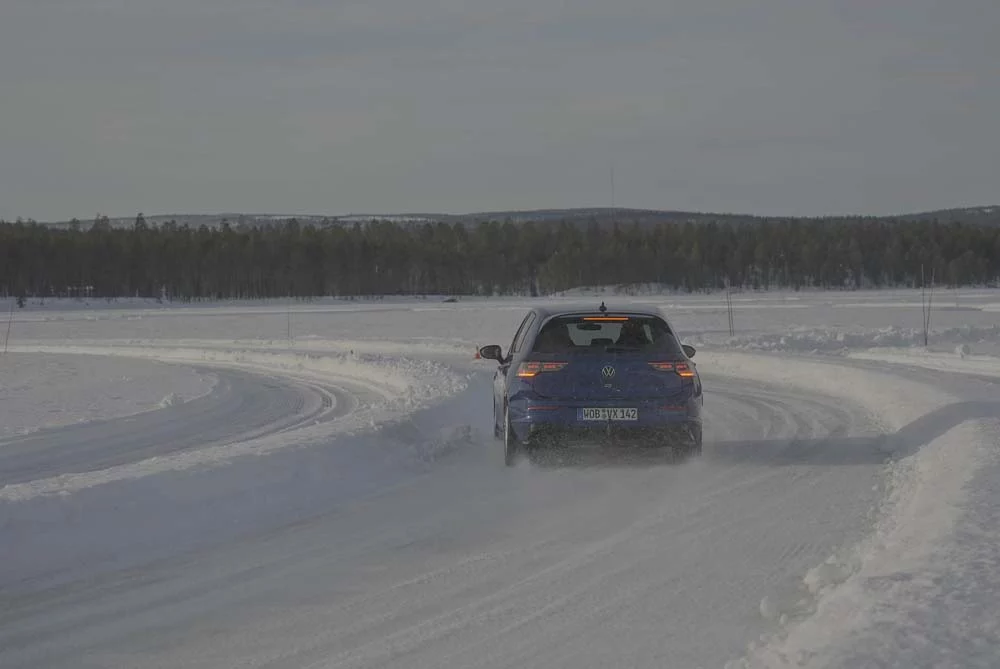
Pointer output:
x,y
305,106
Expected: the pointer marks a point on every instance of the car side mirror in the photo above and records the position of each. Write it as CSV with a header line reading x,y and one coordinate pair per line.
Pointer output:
x,y
688,350
491,352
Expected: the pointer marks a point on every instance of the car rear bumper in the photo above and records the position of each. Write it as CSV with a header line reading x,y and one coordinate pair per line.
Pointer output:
x,y
535,421
664,435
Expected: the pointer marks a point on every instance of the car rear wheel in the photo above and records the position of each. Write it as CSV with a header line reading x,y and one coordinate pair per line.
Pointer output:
x,y
497,430
510,446
691,446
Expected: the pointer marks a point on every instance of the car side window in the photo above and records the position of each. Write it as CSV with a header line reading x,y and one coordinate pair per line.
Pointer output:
x,y
515,345
523,334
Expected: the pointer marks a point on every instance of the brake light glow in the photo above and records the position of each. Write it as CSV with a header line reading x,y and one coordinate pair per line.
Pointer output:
x,y
606,319
526,370
682,369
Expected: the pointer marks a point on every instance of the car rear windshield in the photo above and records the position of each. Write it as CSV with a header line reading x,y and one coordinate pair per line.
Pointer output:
x,y
582,334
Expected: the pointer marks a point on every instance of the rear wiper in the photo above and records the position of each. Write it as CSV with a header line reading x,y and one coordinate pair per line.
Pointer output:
x,y
621,349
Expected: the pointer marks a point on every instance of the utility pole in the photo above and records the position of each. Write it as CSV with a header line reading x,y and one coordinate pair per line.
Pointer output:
x,y
926,300
729,308
613,219
10,321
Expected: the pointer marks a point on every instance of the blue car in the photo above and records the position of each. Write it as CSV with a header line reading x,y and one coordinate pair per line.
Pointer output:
x,y
617,374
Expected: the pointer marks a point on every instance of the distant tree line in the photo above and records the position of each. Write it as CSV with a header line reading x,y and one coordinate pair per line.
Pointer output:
x,y
490,258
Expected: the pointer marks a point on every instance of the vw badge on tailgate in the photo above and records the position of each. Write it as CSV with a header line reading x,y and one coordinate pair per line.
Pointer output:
x,y
608,372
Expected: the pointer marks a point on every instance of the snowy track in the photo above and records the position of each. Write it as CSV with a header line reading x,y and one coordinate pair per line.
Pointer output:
x,y
365,518
327,395
474,565
240,406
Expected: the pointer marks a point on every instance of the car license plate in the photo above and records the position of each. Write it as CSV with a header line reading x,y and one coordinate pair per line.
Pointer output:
x,y
609,413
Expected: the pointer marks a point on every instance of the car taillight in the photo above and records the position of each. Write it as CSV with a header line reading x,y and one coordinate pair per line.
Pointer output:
x,y
680,368
526,370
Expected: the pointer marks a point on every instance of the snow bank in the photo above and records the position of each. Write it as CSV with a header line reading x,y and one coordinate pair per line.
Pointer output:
x,y
407,382
937,445
877,595
416,348
393,389
214,455
962,361
837,341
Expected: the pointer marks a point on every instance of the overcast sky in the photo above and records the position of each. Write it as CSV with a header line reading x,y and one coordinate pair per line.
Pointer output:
x,y
309,106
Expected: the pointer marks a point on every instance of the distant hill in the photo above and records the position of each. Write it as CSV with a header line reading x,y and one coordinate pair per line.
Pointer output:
x,y
604,216
984,215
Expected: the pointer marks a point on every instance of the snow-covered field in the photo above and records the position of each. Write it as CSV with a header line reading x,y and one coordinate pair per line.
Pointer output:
x,y
315,484
47,391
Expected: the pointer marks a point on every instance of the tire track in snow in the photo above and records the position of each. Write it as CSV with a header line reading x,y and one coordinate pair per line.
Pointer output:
x,y
594,585
475,565
240,406
356,394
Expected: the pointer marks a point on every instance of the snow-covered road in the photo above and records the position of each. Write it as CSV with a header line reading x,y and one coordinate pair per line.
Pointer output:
x,y
240,405
474,565
386,532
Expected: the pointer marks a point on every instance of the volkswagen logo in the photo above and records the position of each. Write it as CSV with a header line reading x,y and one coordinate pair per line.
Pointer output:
x,y
608,372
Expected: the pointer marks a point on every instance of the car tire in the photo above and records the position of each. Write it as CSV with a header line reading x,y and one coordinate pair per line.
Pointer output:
x,y
497,430
510,445
692,444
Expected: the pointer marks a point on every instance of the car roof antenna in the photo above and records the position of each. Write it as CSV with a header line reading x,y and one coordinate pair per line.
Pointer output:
x,y
602,308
